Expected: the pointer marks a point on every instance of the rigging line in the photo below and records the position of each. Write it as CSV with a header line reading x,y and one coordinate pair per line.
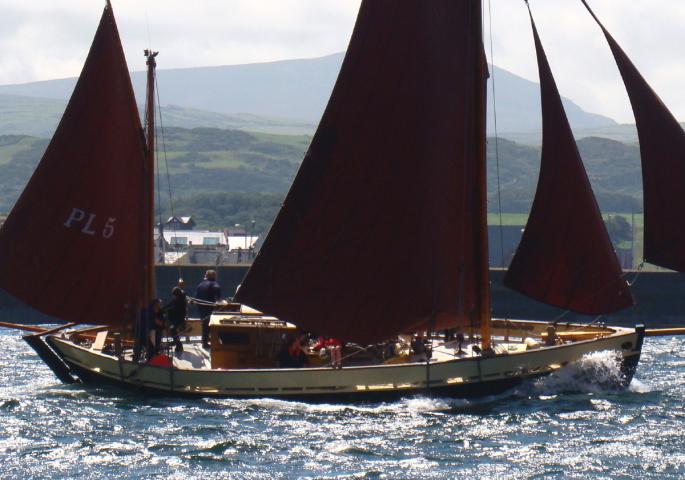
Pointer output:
x,y
166,166
159,202
202,302
638,270
159,189
592,323
494,114
158,181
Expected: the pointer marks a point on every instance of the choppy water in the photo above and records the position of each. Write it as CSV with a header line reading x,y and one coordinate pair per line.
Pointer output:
x,y
561,427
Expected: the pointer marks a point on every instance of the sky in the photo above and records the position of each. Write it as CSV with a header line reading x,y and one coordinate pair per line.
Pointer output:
x,y
47,39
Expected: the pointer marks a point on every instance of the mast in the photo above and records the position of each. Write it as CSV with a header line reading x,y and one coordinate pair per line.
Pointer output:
x,y
481,227
150,291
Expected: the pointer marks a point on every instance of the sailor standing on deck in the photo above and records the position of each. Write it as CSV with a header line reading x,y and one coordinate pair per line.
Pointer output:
x,y
208,291
175,311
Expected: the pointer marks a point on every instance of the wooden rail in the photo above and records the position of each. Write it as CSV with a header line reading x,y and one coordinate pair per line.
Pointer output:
x,y
26,328
662,332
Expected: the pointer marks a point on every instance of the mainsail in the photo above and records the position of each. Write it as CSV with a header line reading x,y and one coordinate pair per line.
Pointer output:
x,y
383,228
565,257
662,148
73,246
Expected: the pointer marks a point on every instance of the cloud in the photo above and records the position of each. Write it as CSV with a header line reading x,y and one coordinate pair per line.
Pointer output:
x,y
649,31
44,39
233,32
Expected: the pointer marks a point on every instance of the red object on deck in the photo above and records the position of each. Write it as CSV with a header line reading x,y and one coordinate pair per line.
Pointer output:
x,y
160,360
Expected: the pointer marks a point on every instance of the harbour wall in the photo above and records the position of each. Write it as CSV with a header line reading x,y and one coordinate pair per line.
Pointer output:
x,y
659,296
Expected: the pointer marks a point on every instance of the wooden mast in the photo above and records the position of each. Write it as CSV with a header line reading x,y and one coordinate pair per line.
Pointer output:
x,y
483,267
150,290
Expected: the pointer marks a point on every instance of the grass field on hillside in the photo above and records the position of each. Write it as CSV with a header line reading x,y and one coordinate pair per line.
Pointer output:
x,y
511,219
11,145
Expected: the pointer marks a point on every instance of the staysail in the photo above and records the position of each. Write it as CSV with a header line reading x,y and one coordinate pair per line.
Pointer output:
x,y
565,257
662,148
73,246
378,233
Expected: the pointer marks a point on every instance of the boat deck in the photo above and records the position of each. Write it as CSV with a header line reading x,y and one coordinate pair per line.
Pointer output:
x,y
195,357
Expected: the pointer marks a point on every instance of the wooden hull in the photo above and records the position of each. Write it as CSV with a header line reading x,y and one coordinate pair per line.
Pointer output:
x,y
458,377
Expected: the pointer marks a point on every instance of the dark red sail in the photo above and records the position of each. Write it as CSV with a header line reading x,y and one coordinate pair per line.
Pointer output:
x,y
73,246
662,148
565,257
378,234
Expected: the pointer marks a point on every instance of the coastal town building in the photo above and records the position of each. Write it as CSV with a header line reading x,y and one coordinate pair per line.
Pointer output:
x,y
178,242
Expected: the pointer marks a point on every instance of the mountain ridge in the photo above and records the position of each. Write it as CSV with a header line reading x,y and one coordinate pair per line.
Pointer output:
x,y
296,92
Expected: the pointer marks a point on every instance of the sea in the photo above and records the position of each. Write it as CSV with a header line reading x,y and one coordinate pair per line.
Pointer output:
x,y
564,426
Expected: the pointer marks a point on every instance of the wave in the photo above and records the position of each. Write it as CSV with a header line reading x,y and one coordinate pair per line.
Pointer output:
x,y
595,372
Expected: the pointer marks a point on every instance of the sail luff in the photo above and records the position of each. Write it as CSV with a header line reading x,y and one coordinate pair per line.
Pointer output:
x,y
662,151
565,257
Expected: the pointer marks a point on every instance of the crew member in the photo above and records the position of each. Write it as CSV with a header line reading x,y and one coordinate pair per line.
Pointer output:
x,y
208,292
552,337
155,327
175,311
292,355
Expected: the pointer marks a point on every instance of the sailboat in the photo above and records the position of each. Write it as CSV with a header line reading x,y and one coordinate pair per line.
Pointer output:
x,y
381,242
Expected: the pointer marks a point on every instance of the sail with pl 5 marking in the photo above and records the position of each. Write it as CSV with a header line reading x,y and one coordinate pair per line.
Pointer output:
x,y
380,231
662,148
73,245
565,257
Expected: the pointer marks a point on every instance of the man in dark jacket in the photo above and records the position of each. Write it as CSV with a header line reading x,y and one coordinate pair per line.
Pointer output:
x,y
208,292
155,325
176,310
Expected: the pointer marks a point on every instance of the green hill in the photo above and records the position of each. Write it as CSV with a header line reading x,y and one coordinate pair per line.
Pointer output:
x,y
29,115
210,161
202,160
39,117
613,169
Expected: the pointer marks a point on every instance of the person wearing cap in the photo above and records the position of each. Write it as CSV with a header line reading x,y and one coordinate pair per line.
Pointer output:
x,y
208,292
